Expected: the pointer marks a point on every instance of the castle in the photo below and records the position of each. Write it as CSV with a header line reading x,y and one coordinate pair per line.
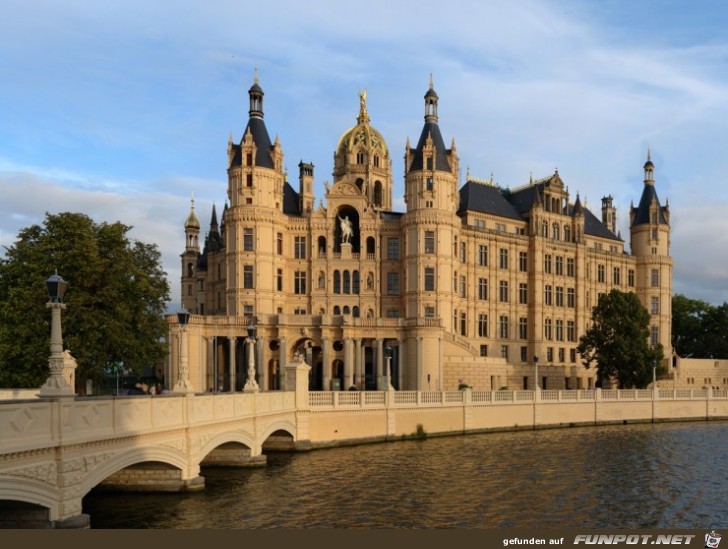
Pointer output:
x,y
477,285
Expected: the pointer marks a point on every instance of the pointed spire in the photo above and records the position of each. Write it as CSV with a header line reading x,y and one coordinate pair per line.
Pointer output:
x,y
432,86
255,75
192,222
649,170
530,178
431,103
578,210
467,173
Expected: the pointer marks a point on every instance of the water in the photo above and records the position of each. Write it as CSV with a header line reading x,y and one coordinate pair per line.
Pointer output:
x,y
627,476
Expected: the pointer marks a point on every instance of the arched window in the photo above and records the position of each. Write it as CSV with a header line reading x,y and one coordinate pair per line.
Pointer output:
x,y
322,280
337,310
370,313
556,232
545,229
378,193
355,312
376,160
347,282
337,282
567,233
360,183
370,245
346,310
190,269
322,245
360,157
355,282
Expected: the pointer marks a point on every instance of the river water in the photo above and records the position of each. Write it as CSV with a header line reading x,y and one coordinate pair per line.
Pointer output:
x,y
628,476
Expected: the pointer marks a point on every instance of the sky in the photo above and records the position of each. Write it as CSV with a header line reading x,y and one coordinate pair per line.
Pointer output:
x,y
122,110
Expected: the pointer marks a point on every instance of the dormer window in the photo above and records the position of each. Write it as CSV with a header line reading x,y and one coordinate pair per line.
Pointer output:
x,y
360,157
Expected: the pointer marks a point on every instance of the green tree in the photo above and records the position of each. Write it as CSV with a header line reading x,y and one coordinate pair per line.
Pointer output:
x,y
699,330
617,342
115,300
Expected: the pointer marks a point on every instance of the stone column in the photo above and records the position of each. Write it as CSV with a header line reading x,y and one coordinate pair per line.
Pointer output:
x,y
421,382
400,364
378,367
262,366
232,361
359,373
348,363
326,364
282,362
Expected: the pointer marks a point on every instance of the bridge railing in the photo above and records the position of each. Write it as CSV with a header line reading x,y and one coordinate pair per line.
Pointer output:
x,y
343,399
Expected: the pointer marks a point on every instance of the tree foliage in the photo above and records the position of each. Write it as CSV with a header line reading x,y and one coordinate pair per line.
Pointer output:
x,y
115,299
699,330
617,342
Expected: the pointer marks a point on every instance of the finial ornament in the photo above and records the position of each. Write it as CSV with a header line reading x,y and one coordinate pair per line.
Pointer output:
x,y
432,86
648,155
192,200
255,75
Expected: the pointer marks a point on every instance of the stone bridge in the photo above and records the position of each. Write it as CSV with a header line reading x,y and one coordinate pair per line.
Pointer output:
x,y
54,451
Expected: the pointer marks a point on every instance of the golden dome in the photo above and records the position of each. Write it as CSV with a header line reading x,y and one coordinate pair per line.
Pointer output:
x,y
362,136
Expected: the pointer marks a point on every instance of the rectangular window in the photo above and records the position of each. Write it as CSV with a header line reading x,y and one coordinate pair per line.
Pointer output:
x,y
559,265
504,258
570,330
559,330
655,277
559,296
463,286
483,256
429,279
504,351
279,243
248,277
562,354
248,245
463,252
482,325
654,305
616,275
654,335
572,355
430,182
299,247
523,328
249,178
299,311
524,354
393,283
392,313
550,354
279,280
601,273
503,291
483,350
570,270
570,298
547,264
547,333
392,248
463,324
547,294
503,327
523,293
248,311
523,261
299,282
429,242
429,311
630,278
483,289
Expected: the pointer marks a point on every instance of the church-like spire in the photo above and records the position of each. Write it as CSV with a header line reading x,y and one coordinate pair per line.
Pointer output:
x,y
649,170
256,98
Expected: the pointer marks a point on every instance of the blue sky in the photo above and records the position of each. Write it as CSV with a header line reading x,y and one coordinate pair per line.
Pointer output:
x,y
123,110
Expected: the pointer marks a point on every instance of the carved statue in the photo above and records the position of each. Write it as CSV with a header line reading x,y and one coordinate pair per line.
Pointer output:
x,y
346,229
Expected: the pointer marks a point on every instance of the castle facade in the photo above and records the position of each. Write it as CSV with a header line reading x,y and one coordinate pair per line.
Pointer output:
x,y
473,284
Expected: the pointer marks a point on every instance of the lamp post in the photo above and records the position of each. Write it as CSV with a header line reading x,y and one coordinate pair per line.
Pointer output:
x,y
535,368
183,384
251,386
56,385
388,372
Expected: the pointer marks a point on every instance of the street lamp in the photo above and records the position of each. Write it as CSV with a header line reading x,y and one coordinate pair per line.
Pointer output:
x,y
388,373
183,384
535,367
56,385
251,386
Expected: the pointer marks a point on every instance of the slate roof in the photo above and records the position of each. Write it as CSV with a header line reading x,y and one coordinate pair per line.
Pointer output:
x,y
441,164
291,200
494,200
642,215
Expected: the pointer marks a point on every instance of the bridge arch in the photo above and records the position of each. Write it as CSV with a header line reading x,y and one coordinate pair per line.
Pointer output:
x,y
134,456
36,492
241,437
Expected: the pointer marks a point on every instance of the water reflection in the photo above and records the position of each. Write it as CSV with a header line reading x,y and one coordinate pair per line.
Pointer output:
x,y
642,476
